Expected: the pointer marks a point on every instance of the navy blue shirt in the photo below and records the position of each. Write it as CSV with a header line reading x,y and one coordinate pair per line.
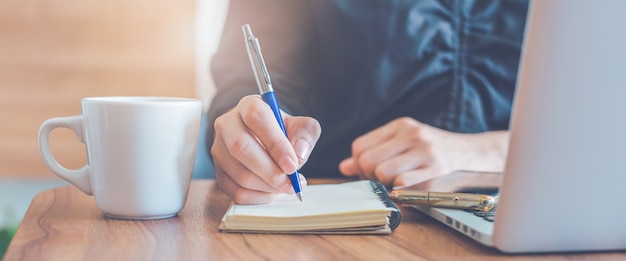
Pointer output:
x,y
355,65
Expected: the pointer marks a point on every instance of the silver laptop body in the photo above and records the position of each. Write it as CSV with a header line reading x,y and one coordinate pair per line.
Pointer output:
x,y
564,185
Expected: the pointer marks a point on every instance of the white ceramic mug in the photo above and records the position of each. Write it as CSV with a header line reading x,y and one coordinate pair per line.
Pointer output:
x,y
140,153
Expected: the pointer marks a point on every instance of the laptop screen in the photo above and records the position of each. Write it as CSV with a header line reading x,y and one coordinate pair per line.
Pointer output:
x,y
564,183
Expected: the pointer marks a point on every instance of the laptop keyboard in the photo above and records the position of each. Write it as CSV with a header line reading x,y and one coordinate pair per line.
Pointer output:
x,y
486,215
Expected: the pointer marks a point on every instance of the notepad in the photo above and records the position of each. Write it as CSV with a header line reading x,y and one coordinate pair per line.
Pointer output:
x,y
356,207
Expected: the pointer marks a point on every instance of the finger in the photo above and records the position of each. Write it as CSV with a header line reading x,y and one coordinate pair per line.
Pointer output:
x,y
416,176
387,171
373,138
348,168
303,133
303,181
370,159
234,139
239,194
260,120
238,172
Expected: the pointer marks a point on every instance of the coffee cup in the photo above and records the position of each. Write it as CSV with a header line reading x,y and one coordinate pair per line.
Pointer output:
x,y
140,153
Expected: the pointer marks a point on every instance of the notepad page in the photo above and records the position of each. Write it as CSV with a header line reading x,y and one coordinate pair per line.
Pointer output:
x,y
318,200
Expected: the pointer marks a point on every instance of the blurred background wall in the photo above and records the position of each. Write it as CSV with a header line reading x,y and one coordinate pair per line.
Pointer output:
x,y
53,53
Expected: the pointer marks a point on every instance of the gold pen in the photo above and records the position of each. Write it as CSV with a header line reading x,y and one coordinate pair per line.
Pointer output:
x,y
480,202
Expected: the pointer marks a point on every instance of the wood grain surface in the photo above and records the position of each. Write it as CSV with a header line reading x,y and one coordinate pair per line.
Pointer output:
x,y
65,224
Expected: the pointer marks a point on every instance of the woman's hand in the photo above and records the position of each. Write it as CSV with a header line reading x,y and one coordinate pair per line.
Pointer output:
x,y
252,155
405,152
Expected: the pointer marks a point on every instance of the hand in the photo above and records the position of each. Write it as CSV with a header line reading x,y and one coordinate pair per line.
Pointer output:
x,y
405,151
252,155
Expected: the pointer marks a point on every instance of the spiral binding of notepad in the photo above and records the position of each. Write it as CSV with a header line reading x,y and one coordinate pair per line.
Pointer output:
x,y
380,190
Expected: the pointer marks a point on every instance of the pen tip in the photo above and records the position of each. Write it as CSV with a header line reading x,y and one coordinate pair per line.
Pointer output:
x,y
299,195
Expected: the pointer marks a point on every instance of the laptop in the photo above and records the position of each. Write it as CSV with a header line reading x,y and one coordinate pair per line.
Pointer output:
x,y
564,184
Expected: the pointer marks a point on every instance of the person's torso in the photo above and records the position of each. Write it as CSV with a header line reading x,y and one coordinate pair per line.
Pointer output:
x,y
450,64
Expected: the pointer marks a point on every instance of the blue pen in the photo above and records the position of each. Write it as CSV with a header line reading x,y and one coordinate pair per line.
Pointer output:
x,y
267,92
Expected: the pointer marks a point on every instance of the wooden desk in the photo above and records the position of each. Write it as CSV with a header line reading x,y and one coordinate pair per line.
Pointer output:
x,y
65,224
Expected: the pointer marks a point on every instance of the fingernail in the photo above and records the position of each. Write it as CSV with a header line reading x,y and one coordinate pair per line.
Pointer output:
x,y
302,149
287,165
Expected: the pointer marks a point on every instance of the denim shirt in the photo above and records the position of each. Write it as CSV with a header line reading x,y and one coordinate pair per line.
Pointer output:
x,y
355,65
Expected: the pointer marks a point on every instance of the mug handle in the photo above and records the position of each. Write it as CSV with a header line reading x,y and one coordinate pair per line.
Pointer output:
x,y
79,177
